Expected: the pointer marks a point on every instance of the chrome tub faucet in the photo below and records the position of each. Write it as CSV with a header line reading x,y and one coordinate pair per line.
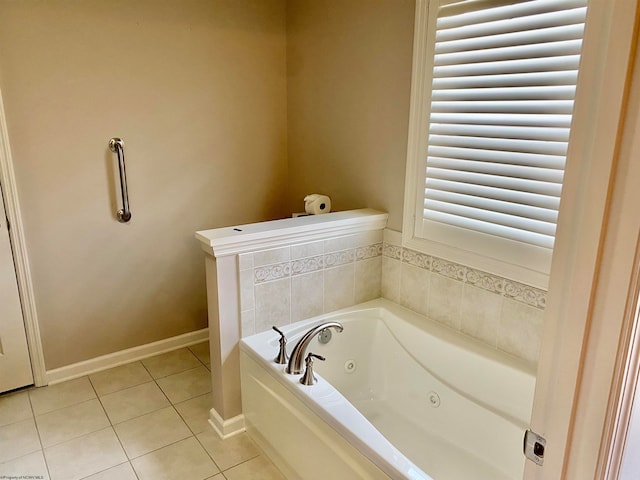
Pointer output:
x,y
297,355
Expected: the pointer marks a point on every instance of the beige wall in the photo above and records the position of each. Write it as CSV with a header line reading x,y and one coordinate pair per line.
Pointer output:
x,y
349,80
203,93
197,90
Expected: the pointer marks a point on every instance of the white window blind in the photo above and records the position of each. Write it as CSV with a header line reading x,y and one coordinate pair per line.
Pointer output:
x,y
504,79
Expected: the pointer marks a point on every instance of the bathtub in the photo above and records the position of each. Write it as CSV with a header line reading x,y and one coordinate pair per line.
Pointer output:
x,y
399,396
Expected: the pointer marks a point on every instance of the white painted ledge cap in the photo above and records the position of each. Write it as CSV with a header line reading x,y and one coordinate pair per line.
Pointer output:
x,y
251,237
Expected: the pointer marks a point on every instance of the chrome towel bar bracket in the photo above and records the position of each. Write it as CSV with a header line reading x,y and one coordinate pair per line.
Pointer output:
x,y
116,145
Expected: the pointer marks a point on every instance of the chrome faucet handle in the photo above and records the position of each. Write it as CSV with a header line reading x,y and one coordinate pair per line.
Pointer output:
x,y
309,378
282,357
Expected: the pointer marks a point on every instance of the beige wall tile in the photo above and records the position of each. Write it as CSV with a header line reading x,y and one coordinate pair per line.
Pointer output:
x,y
269,257
339,287
445,297
391,276
368,279
304,250
307,295
273,304
248,321
336,244
480,314
246,290
414,288
520,330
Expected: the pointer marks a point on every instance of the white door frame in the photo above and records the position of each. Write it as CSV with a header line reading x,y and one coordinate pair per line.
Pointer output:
x,y
611,360
585,319
20,257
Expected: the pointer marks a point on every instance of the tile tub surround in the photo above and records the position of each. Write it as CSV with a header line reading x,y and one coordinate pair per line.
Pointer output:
x,y
287,284
273,273
500,312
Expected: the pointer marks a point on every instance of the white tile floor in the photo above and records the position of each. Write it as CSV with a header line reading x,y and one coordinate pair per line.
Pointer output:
x,y
144,420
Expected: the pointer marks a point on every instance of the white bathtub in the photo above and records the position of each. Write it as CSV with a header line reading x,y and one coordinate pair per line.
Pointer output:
x,y
399,396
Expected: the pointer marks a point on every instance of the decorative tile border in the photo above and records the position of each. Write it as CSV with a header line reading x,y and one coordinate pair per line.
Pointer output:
x,y
392,251
417,259
272,272
532,296
307,265
370,251
525,294
336,259
448,269
486,281
277,271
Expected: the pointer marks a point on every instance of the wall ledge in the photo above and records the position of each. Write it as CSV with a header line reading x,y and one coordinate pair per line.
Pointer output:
x,y
221,242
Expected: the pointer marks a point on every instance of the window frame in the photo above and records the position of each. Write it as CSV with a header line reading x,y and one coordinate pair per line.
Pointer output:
x,y
534,270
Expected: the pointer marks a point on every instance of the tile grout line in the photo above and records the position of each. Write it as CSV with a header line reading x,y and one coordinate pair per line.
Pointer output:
x,y
244,461
208,454
72,406
130,460
180,416
112,426
44,457
113,429
193,434
114,466
193,353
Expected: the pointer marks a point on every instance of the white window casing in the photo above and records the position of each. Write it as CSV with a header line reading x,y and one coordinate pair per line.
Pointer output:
x,y
492,99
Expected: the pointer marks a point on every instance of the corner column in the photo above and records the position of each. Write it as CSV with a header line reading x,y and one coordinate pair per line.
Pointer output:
x,y
223,300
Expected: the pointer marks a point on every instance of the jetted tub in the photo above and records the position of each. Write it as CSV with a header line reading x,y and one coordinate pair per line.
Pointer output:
x,y
399,396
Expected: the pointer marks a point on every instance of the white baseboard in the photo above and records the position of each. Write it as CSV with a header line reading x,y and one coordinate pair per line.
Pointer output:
x,y
80,369
226,428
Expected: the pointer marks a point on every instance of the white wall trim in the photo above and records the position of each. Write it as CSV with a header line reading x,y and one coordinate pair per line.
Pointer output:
x,y
20,257
115,359
226,428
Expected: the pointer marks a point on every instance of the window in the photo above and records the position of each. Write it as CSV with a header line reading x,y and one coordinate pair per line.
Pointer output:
x,y
492,99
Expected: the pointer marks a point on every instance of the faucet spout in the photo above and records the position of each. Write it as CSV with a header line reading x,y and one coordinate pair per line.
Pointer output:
x,y
297,355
